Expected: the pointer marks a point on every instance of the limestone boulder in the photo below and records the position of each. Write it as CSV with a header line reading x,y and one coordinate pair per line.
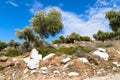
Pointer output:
x,y
3,59
101,53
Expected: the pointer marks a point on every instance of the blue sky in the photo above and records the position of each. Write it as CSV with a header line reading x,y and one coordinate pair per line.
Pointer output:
x,y
85,17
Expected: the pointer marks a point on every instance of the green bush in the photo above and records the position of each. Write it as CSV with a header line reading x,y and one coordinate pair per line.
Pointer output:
x,y
1,68
2,54
13,53
85,38
2,45
84,49
103,45
68,51
56,41
46,50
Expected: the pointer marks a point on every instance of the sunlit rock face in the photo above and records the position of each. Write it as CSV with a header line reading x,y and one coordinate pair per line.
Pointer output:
x,y
72,74
65,60
34,59
84,60
101,53
49,56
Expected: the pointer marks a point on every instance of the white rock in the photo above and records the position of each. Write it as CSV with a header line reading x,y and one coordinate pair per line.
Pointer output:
x,y
118,52
65,60
49,56
39,57
102,54
43,68
101,49
33,61
33,64
84,60
26,60
116,63
33,71
25,71
65,66
44,72
13,74
56,72
35,55
72,74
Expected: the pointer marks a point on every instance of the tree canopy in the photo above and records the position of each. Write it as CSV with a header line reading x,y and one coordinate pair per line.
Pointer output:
x,y
47,24
71,38
114,18
27,34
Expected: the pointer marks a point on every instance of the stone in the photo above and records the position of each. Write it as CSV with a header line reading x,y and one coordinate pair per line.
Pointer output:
x,y
33,61
25,71
118,52
99,73
3,59
84,60
114,68
44,72
73,74
65,67
33,71
56,72
101,53
43,68
26,60
101,49
65,60
33,64
35,55
49,56
116,63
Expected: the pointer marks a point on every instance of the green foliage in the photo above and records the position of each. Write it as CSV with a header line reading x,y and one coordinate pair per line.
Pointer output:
x,y
57,41
46,50
27,34
71,38
25,47
85,38
62,38
2,45
74,36
102,36
84,49
14,44
38,43
13,53
2,54
68,51
1,68
46,24
103,45
114,18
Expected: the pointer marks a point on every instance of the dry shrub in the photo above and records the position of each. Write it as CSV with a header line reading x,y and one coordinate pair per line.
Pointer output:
x,y
82,68
43,63
106,65
55,61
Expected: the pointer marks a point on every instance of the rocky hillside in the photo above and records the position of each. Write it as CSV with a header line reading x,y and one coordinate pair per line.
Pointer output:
x,y
102,60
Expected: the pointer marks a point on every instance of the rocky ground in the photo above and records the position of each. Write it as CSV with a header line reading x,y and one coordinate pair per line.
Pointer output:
x,y
53,67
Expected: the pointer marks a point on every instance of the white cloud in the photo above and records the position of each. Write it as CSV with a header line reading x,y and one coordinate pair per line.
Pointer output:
x,y
95,18
37,6
12,3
